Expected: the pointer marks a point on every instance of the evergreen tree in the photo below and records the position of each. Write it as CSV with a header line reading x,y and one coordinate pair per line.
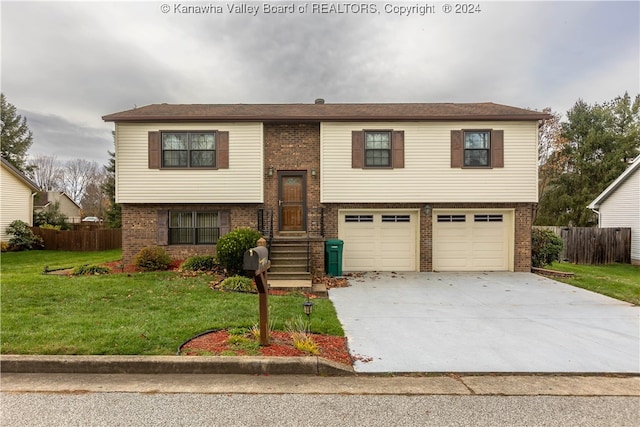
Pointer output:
x,y
113,215
600,141
15,136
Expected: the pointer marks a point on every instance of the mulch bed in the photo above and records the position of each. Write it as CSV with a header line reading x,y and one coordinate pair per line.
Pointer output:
x,y
281,345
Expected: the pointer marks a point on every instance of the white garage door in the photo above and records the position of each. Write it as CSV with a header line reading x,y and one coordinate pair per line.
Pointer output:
x,y
473,240
379,240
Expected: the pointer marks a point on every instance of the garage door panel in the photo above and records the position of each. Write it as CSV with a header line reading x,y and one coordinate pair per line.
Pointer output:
x,y
386,243
468,240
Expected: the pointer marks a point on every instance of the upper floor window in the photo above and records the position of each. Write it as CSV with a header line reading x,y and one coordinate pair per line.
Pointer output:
x,y
371,149
189,149
477,148
377,149
473,148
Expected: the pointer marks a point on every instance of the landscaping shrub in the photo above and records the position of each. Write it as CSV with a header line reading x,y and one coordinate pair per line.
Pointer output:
x,y
199,263
85,270
232,246
546,247
4,246
237,283
22,237
152,258
51,216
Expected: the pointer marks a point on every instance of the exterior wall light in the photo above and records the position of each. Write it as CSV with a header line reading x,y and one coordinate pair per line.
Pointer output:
x,y
270,171
313,172
427,210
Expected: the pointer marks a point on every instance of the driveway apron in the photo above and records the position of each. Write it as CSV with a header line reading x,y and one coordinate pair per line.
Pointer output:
x,y
484,322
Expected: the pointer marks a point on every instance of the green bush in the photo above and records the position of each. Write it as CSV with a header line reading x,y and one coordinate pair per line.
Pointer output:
x,y
51,216
152,258
199,263
22,237
232,246
237,283
85,270
546,247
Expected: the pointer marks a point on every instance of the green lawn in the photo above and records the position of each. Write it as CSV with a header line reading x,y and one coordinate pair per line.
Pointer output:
x,y
140,313
620,281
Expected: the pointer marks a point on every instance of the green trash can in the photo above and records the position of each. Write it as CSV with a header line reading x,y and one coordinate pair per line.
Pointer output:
x,y
333,257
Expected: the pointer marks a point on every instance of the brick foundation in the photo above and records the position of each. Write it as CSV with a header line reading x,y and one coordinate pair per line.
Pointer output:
x,y
140,227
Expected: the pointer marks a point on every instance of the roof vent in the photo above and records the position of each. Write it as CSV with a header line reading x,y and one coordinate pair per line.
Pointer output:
x,y
319,101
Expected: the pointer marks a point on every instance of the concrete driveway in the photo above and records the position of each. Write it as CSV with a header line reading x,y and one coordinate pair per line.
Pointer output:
x,y
485,322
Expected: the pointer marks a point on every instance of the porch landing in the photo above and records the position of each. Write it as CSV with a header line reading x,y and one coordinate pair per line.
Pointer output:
x,y
318,289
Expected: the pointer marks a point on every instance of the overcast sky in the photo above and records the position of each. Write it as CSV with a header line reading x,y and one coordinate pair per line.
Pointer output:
x,y
66,64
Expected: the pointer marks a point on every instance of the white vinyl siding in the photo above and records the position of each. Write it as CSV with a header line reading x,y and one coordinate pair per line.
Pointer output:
x,y
427,175
16,202
240,183
622,209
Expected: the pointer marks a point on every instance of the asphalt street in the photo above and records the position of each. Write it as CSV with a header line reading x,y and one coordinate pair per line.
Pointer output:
x,y
134,409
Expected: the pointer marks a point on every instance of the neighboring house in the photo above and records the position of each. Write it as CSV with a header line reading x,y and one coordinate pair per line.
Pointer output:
x,y
17,193
45,200
407,187
619,206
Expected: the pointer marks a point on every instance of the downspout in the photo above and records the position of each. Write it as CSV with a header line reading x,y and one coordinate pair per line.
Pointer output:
x,y
597,212
33,203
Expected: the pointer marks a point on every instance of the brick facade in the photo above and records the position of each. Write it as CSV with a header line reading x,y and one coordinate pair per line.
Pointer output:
x,y
288,148
140,227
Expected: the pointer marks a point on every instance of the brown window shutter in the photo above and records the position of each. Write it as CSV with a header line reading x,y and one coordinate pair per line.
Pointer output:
x,y
155,152
457,152
497,148
163,227
357,149
222,150
397,144
224,219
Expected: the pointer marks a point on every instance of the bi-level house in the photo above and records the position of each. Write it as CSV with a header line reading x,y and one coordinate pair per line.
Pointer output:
x,y
407,187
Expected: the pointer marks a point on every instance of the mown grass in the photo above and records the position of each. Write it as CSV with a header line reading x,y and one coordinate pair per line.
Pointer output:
x,y
620,281
139,313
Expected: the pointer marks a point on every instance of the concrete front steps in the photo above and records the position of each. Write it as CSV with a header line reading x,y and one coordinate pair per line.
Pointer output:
x,y
290,264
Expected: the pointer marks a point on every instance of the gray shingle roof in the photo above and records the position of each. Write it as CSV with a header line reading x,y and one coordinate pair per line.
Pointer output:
x,y
324,112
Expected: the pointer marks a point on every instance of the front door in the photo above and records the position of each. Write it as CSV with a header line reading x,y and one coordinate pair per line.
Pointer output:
x,y
292,201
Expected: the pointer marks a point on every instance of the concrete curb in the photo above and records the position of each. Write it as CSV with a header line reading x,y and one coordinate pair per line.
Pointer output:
x,y
10,363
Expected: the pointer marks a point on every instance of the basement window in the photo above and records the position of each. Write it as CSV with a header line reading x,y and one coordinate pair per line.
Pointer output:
x,y
193,228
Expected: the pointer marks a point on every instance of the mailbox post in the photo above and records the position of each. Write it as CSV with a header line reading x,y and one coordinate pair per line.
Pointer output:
x,y
257,260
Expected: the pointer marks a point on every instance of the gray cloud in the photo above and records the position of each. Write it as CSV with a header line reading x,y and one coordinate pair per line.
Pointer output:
x,y
65,64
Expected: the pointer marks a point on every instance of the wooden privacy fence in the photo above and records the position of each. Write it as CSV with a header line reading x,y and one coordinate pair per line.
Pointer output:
x,y
80,240
588,245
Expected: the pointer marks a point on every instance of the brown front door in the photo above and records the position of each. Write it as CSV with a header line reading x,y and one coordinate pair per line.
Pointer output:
x,y
292,197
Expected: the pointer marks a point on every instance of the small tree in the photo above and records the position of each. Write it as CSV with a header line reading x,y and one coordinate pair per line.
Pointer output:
x,y
546,247
22,236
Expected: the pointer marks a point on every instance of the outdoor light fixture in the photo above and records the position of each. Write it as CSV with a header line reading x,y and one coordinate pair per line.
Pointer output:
x,y
308,308
427,209
270,171
313,172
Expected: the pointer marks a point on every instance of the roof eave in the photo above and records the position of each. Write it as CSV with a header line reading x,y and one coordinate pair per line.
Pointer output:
x,y
595,204
272,119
